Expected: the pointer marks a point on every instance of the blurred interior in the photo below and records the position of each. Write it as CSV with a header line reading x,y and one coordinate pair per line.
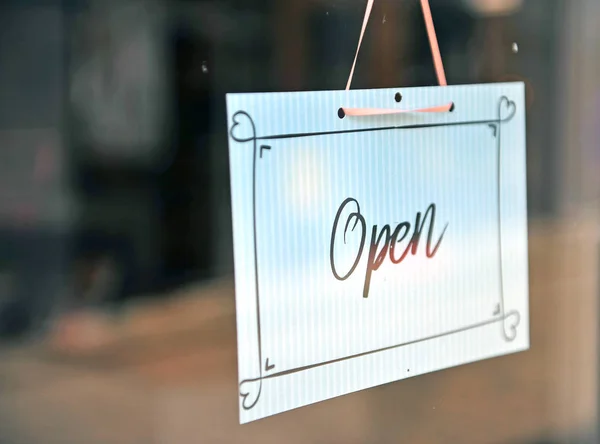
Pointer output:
x,y
117,320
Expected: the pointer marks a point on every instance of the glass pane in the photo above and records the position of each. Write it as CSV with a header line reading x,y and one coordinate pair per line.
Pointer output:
x,y
117,316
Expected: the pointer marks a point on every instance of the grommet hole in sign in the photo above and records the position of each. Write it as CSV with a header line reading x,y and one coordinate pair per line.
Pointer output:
x,y
437,60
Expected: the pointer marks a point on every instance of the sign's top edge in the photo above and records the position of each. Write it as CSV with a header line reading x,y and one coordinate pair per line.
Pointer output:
x,y
397,88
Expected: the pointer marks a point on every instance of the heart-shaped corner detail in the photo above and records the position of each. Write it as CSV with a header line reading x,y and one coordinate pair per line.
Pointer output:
x,y
250,391
243,129
506,109
510,324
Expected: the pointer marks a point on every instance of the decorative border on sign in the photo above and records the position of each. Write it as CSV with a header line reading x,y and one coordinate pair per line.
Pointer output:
x,y
251,388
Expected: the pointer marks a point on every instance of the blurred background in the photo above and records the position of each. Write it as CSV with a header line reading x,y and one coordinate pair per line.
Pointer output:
x,y
117,321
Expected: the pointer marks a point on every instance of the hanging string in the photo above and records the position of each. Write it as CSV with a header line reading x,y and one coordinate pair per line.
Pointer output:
x,y
360,39
433,42
437,61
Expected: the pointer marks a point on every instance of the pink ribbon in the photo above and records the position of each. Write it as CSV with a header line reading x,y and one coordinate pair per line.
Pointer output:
x,y
437,61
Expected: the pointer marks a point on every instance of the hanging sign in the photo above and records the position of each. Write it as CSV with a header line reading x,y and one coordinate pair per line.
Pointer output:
x,y
378,245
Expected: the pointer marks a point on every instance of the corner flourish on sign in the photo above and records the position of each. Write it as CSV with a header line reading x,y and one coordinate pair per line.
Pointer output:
x,y
262,148
269,367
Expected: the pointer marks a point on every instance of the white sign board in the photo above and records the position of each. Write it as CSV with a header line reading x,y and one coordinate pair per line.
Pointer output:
x,y
372,249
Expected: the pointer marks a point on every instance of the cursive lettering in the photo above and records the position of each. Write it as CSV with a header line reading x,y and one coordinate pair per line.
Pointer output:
x,y
384,242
